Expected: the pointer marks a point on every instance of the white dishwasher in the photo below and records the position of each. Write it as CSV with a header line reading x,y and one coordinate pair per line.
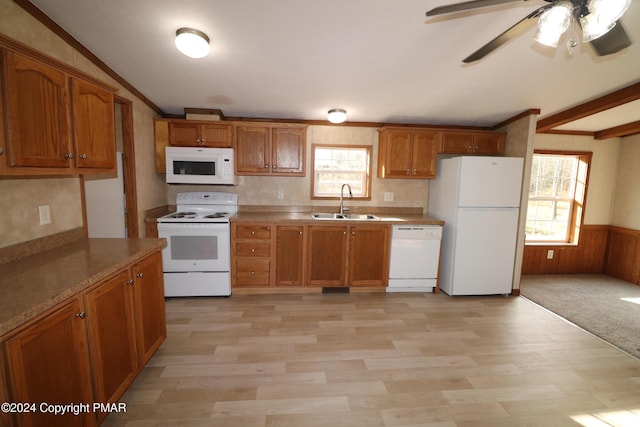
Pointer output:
x,y
415,256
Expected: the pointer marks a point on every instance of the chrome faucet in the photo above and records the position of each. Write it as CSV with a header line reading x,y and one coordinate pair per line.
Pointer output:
x,y
342,197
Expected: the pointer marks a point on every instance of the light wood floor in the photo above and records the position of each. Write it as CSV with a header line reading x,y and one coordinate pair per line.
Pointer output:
x,y
379,360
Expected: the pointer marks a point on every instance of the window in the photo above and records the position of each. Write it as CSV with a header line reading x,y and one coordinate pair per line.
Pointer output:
x,y
556,196
335,165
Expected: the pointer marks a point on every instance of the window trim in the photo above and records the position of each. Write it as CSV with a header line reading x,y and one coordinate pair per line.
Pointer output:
x,y
576,220
369,149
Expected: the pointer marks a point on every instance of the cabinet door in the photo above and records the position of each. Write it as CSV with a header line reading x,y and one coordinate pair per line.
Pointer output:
x,y
184,133
290,255
49,362
114,362
426,146
327,256
216,135
252,150
397,154
94,126
287,146
489,144
148,306
37,98
369,255
457,143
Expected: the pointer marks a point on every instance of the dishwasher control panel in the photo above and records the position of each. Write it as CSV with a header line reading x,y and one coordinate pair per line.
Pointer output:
x,y
433,232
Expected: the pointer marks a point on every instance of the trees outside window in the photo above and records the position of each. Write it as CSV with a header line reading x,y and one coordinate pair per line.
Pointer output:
x,y
556,196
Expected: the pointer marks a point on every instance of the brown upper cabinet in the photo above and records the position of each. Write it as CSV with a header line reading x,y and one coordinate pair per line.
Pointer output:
x,y
190,133
408,153
270,149
481,143
94,126
56,120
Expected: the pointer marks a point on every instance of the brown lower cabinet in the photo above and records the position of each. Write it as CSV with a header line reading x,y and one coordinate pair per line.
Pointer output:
x,y
48,361
290,255
356,255
88,348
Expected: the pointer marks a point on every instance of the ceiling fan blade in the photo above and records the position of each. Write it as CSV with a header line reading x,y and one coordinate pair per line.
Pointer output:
x,y
612,42
473,4
513,32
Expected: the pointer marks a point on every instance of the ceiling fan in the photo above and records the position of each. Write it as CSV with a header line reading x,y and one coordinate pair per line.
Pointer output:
x,y
598,20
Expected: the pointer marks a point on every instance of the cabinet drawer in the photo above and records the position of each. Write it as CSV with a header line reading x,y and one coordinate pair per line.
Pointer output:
x,y
258,232
252,272
253,249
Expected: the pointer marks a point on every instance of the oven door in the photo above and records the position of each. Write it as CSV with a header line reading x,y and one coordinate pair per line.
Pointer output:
x,y
195,247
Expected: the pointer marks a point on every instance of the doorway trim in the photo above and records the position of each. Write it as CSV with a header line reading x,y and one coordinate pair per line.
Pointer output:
x,y
129,166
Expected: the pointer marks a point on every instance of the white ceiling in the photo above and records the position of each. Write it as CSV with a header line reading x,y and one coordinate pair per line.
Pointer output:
x,y
381,60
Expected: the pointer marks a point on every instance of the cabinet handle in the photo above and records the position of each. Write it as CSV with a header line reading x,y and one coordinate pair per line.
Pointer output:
x,y
68,155
408,171
140,275
81,315
300,232
83,156
266,166
1,151
353,233
130,282
253,233
252,250
253,273
273,166
477,147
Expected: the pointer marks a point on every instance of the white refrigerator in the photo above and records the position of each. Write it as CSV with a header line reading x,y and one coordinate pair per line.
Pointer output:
x,y
479,200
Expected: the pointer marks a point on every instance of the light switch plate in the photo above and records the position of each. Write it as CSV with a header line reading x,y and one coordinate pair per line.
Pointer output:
x,y
45,214
388,196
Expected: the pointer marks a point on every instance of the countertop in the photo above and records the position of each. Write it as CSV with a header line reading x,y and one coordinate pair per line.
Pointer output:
x,y
297,214
385,218
31,285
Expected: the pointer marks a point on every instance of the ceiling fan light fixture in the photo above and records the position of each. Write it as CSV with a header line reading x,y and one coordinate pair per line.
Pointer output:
x,y
602,17
553,23
593,27
609,10
337,115
192,43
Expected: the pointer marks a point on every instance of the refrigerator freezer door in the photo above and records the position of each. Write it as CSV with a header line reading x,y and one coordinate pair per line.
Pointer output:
x,y
484,253
490,181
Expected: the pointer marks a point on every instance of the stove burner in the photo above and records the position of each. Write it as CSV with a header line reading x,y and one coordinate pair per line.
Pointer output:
x,y
183,215
217,215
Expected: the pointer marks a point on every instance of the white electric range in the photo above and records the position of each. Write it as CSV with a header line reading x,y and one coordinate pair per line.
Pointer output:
x,y
197,259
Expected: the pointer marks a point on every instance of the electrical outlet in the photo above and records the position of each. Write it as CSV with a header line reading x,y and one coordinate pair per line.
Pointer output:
x,y
281,194
45,214
550,254
388,196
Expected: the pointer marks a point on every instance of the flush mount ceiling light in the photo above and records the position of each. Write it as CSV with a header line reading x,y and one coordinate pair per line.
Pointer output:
x,y
192,43
337,115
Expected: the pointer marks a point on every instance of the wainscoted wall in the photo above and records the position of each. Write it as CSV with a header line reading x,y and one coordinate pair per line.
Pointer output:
x,y
586,257
602,249
623,258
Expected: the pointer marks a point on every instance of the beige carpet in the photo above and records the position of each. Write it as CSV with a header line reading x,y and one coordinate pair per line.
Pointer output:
x,y
607,307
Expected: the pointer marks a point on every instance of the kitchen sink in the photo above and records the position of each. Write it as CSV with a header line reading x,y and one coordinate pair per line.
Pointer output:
x,y
337,216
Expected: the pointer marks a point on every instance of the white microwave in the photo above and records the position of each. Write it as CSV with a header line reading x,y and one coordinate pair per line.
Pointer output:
x,y
195,165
